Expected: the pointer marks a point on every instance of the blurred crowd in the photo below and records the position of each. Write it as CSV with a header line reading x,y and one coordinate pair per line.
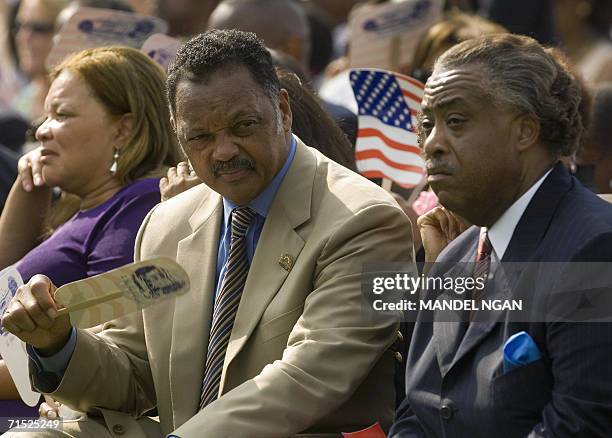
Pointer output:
x,y
125,121
311,39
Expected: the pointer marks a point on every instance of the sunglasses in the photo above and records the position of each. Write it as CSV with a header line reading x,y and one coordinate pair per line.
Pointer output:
x,y
40,28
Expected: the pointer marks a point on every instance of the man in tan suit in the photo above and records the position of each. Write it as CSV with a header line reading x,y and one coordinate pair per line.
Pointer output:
x,y
298,354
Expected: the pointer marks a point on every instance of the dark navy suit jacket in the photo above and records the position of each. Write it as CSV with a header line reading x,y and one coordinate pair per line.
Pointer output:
x,y
455,385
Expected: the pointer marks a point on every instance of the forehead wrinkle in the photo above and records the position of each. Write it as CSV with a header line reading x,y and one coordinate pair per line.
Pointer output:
x,y
453,87
215,101
219,115
199,127
442,103
53,101
223,111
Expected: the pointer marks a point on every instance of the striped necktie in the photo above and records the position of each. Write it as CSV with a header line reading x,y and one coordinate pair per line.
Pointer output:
x,y
482,265
226,304
483,255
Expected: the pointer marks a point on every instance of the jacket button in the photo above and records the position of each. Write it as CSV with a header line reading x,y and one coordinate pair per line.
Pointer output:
x,y
118,429
400,336
398,357
446,411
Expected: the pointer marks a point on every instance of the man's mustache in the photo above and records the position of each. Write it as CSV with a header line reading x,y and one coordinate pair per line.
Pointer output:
x,y
233,164
434,166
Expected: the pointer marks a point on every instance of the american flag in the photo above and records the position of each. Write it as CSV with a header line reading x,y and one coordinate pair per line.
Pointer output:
x,y
387,144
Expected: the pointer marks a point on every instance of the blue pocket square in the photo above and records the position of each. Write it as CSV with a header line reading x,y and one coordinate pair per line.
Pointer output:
x,y
520,350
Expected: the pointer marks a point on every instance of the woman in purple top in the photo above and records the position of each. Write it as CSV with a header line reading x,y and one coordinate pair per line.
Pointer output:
x,y
105,142
95,240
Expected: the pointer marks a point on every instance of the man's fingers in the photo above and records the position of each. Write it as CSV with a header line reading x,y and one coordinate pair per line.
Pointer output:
x,y
33,305
41,291
193,180
429,218
171,173
454,225
459,222
442,219
163,188
463,224
36,312
8,325
18,318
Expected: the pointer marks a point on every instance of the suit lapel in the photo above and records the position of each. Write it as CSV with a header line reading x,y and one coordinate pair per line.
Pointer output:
x,y
289,210
447,334
535,221
447,337
197,253
527,235
498,287
453,339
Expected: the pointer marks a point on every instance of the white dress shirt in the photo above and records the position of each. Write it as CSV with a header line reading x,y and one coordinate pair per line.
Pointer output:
x,y
502,230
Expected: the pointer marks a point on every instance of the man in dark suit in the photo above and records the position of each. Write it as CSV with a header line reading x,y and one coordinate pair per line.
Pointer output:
x,y
499,111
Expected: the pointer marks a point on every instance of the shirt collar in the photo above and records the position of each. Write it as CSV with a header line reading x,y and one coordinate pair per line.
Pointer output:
x,y
501,231
261,204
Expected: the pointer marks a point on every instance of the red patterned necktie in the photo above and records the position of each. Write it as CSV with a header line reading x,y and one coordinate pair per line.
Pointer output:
x,y
482,265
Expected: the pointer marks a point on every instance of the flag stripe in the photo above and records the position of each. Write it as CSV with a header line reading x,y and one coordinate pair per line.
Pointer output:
x,y
397,135
406,81
412,105
370,132
398,157
411,95
387,145
374,153
400,177
416,89
377,164
413,90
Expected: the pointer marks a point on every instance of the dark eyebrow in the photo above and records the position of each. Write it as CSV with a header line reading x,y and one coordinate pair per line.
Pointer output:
x,y
187,132
445,103
244,113
196,132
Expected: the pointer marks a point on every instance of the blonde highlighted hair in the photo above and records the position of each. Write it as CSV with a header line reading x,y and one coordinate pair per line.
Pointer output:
x,y
125,81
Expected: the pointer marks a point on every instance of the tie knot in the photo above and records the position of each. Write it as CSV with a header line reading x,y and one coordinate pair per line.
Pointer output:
x,y
485,248
241,219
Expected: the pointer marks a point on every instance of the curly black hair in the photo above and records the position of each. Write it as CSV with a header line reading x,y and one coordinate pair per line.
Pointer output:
x,y
213,50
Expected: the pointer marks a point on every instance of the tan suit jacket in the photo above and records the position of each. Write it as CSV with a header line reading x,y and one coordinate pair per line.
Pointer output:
x,y
301,357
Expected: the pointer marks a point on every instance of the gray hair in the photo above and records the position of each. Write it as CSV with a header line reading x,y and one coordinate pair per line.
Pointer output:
x,y
523,75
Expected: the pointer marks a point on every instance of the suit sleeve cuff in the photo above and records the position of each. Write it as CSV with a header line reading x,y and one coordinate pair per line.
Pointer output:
x,y
57,363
